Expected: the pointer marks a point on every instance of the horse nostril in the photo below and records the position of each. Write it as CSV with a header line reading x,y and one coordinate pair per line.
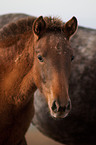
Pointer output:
x,y
57,108
68,107
54,107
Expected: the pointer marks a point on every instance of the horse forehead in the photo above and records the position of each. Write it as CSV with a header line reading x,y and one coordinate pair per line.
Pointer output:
x,y
57,38
59,44
55,41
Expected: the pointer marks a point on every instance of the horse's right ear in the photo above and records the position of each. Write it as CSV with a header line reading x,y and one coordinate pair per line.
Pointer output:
x,y
39,26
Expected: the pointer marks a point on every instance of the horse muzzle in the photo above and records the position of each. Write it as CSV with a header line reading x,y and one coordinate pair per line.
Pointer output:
x,y
60,111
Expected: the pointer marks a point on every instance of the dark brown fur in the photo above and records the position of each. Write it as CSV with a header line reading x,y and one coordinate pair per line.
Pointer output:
x,y
21,73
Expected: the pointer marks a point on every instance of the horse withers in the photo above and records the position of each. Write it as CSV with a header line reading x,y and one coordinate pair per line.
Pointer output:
x,y
34,53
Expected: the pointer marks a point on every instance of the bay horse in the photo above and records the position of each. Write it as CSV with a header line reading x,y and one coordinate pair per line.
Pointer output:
x,y
34,53
79,127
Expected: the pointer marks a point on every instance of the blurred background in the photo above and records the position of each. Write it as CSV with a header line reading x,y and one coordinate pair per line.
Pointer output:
x,y
84,10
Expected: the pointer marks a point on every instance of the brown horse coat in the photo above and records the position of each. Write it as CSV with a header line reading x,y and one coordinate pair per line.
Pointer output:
x,y
18,74
79,128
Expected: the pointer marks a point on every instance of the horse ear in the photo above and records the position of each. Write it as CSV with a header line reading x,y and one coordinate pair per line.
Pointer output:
x,y
39,26
70,27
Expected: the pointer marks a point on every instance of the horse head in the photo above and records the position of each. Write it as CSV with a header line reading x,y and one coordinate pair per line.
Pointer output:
x,y
52,62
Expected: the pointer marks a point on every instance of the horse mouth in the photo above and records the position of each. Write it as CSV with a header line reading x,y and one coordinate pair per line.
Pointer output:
x,y
59,114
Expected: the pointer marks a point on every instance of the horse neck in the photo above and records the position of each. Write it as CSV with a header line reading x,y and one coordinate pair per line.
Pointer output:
x,y
13,49
17,69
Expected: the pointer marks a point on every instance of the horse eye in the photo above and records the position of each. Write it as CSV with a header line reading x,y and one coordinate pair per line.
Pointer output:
x,y
40,58
72,58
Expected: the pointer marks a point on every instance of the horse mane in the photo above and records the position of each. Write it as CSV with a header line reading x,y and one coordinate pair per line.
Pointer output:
x,y
16,28
23,25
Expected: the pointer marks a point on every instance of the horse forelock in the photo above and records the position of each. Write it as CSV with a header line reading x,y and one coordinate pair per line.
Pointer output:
x,y
53,24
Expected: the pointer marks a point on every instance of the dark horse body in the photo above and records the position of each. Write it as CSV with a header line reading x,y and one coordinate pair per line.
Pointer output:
x,y
29,52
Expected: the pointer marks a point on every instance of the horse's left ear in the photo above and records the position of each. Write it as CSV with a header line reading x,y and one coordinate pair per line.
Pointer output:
x,y
70,27
39,26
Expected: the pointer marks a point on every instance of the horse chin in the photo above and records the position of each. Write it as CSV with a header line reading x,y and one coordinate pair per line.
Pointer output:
x,y
58,114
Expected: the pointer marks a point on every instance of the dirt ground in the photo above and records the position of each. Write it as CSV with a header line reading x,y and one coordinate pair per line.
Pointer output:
x,y
34,137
